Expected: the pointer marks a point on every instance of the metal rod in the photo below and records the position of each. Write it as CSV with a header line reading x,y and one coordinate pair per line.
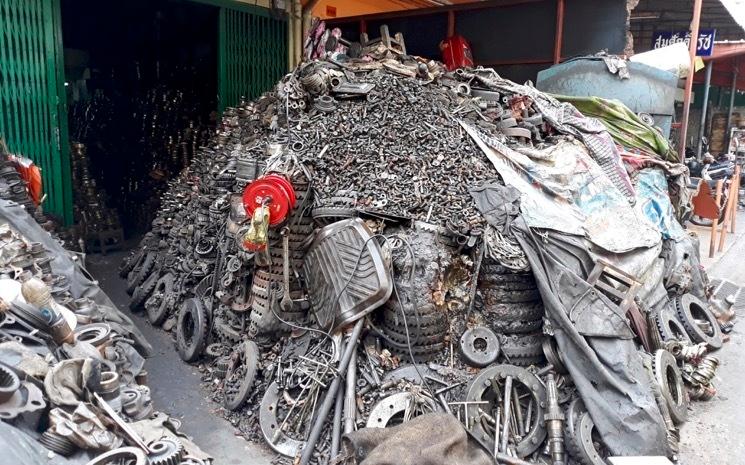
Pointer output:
x,y
336,427
350,397
689,80
506,427
559,37
330,399
704,108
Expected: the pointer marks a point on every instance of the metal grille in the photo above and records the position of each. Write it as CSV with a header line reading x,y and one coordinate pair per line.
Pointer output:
x,y
33,110
253,54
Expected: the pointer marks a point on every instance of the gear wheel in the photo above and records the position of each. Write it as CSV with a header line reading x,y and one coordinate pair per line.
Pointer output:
x,y
668,377
166,451
691,311
669,327
582,445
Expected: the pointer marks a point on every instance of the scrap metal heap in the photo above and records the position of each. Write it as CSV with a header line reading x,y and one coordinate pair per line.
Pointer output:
x,y
327,253
73,388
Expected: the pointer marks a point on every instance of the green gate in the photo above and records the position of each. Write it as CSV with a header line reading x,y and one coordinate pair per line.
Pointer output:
x,y
253,53
33,109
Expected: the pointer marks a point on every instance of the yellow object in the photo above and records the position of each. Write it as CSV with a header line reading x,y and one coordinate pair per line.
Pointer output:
x,y
256,237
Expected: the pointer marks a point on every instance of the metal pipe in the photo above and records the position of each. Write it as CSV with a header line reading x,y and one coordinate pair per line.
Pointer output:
x,y
702,129
350,397
506,411
330,399
451,23
733,92
559,37
336,427
689,80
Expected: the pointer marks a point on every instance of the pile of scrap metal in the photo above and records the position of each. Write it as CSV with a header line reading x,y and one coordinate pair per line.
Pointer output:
x,y
382,239
72,384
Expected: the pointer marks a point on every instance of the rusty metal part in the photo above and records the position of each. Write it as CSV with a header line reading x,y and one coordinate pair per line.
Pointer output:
x,y
165,451
489,386
9,383
57,443
128,455
278,440
400,407
479,346
96,334
668,377
554,418
130,436
241,374
26,399
136,402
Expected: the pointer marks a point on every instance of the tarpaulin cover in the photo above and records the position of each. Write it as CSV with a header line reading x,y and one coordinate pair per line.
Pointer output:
x,y
623,124
596,342
80,284
431,439
572,194
654,202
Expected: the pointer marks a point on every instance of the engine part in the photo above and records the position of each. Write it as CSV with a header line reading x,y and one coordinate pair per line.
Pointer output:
x,y
668,377
241,374
128,455
347,276
165,451
489,386
136,402
57,443
669,327
109,390
553,355
400,407
191,329
9,383
698,321
270,426
96,334
479,346
554,418
27,398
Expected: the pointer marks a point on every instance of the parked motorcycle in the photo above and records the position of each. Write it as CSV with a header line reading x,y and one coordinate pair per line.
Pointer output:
x,y
711,170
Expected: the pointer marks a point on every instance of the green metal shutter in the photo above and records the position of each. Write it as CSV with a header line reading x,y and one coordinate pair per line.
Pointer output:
x,y
33,107
253,54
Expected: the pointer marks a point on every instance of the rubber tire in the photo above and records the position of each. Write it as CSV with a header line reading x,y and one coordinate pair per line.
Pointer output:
x,y
191,346
526,311
500,296
138,275
523,349
158,315
129,263
143,292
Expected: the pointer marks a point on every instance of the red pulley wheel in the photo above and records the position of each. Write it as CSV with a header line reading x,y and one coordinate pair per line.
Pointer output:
x,y
285,183
272,191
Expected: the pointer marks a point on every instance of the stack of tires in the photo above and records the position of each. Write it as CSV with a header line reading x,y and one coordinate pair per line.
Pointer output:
x,y
512,308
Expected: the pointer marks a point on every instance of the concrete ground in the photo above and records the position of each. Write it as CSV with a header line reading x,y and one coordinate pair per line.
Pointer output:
x,y
175,386
714,433
712,436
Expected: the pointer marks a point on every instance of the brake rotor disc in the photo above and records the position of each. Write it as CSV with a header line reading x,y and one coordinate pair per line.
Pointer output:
x,y
397,407
277,440
488,387
668,376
